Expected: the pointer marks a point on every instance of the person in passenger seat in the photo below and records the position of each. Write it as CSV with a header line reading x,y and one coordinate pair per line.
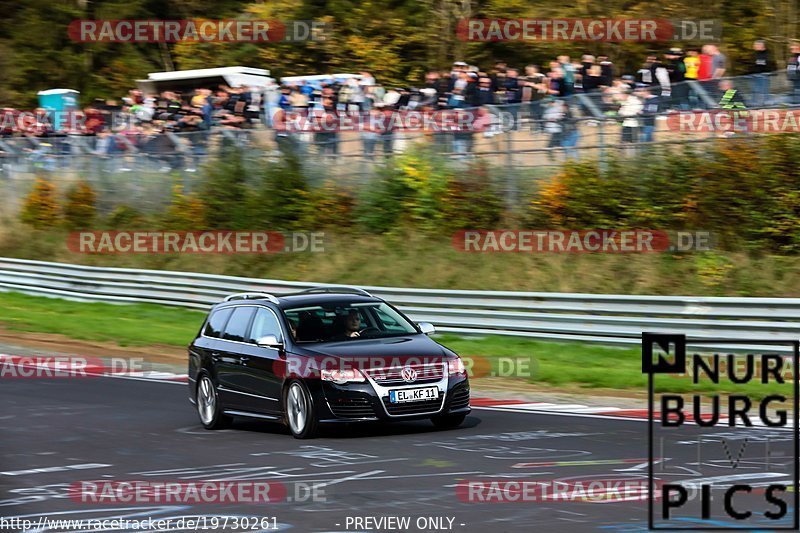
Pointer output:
x,y
310,328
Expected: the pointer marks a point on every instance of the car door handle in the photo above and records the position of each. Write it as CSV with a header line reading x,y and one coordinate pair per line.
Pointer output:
x,y
244,359
215,356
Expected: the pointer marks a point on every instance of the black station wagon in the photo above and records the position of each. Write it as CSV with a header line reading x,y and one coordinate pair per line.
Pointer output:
x,y
324,355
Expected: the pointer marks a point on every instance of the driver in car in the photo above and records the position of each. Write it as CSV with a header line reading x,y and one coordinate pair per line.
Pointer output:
x,y
353,324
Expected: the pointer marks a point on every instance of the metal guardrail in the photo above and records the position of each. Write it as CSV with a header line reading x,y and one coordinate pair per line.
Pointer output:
x,y
612,319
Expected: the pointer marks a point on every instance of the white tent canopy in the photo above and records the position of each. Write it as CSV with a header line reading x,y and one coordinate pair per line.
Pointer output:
x,y
183,79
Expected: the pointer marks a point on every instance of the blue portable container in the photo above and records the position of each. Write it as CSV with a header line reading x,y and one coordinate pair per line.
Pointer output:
x,y
59,102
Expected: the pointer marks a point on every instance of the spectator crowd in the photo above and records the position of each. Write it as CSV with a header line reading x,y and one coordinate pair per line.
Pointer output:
x,y
549,99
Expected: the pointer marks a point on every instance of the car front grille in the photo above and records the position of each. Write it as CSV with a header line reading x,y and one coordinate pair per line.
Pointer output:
x,y
358,408
392,376
412,408
459,398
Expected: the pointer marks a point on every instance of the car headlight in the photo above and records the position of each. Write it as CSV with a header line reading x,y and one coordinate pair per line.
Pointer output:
x,y
342,376
455,367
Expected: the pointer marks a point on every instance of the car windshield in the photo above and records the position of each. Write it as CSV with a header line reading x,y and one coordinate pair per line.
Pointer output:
x,y
346,321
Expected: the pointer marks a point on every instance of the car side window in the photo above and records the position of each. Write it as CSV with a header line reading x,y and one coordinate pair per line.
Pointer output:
x,y
216,323
265,323
236,329
389,323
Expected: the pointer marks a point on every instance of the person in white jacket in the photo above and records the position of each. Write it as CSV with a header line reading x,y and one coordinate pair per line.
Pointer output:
x,y
553,116
630,109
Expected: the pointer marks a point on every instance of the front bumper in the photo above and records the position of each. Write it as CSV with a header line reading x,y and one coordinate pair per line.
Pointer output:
x,y
369,401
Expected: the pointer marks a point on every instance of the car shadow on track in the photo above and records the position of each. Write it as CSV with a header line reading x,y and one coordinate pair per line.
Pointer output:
x,y
356,430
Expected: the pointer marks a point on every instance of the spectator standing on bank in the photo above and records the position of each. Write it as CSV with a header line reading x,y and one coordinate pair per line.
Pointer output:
x,y
513,98
534,89
704,73
644,75
661,80
485,96
607,68
587,62
630,110
760,68
593,79
692,73
569,74
553,123
692,64
718,62
676,69
556,82
569,131
793,72
650,108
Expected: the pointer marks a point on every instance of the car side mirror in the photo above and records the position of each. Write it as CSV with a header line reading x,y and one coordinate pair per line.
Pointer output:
x,y
269,341
426,328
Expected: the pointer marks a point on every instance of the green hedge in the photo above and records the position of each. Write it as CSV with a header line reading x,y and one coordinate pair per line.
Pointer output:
x,y
744,189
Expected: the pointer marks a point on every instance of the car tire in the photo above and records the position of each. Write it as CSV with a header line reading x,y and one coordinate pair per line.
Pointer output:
x,y
299,411
208,405
448,421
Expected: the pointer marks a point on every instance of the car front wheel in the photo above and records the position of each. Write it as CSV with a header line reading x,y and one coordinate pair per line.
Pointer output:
x,y
299,412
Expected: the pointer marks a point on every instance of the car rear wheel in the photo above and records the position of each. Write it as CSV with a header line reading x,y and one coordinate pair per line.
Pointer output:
x,y
300,415
448,421
208,406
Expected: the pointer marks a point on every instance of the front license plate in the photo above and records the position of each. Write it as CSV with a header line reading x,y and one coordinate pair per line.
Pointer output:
x,y
414,395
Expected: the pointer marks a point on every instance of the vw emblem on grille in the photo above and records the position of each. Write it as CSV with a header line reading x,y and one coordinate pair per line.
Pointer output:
x,y
408,374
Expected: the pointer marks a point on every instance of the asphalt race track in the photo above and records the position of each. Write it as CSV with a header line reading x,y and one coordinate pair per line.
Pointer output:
x,y
59,431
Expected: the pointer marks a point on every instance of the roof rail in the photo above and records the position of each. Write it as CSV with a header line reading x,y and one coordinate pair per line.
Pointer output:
x,y
252,296
343,290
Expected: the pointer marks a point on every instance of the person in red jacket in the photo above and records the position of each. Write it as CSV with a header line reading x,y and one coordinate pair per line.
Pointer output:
x,y
704,72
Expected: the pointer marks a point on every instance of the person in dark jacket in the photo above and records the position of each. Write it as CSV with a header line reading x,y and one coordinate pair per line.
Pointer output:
x,y
587,62
513,93
649,111
644,76
485,96
471,91
607,68
793,71
760,68
676,69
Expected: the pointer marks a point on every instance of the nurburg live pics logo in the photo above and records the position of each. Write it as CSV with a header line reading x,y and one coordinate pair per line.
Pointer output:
x,y
779,501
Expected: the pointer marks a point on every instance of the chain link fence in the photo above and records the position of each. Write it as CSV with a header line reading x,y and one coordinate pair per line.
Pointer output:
x,y
523,142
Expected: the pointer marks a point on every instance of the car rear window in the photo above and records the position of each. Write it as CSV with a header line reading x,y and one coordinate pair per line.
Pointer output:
x,y
216,323
237,326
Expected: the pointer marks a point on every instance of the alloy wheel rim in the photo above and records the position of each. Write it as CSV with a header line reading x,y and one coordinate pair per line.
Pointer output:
x,y
296,408
206,401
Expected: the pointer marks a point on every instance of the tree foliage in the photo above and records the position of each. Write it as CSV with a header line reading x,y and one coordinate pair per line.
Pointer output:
x,y
396,40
